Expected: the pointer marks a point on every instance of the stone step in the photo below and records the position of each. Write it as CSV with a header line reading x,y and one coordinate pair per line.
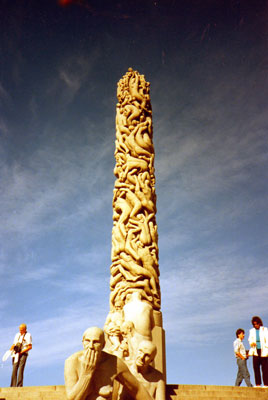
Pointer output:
x,y
210,392
174,392
198,397
33,393
41,396
218,396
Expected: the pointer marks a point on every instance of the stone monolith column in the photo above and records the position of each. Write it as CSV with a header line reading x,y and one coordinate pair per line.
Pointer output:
x,y
135,299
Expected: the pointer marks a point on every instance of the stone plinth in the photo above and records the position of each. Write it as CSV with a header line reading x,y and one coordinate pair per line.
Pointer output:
x,y
174,392
211,392
33,393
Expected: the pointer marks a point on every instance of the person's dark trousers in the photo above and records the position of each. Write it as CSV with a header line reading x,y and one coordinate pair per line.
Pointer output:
x,y
258,364
242,373
19,366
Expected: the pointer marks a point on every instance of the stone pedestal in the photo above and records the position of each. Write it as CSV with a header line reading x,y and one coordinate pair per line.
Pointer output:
x,y
174,392
158,338
211,392
33,393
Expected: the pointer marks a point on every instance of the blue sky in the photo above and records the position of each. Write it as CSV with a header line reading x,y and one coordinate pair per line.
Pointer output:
x,y
59,69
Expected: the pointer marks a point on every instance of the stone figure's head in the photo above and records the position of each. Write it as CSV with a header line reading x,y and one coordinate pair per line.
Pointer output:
x,y
93,339
127,327
145,354
125,349
118,304
136,296
142,118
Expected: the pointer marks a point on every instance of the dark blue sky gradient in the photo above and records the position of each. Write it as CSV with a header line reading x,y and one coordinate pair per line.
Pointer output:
x,y
207,65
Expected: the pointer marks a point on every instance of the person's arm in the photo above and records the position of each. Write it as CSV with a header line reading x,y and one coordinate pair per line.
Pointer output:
x,y
252,338
78,386
28,340
237,346
14,342
29,347
240,356
265,336
132,385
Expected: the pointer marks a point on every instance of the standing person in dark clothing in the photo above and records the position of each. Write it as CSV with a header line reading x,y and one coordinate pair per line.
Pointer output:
x,y
258,340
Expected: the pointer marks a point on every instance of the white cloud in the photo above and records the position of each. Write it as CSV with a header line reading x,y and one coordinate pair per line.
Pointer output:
x,y
4,95
73,73
211,294
43,192
38,274
54,339
4,130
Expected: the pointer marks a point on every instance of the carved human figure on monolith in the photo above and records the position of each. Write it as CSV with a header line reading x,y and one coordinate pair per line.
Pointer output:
x,y
113,327
140,313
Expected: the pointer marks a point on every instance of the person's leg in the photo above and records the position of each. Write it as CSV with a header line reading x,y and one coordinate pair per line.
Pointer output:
x,y
239,377
22,363
246,374
264,366
257,372
14,373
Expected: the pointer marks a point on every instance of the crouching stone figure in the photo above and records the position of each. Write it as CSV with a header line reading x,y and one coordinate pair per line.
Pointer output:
x,y
93,374
149,377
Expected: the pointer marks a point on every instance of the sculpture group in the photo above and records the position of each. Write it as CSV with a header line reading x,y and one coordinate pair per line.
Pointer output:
x,y
134,235
121,361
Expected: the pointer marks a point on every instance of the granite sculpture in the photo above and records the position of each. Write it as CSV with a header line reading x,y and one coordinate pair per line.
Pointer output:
x,y
92,374
127,359
147,375
134,235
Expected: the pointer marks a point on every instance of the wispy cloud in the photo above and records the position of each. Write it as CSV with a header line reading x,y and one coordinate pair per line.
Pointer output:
x,y
73,72
67,330
211,156
4,130
43,193
220,288
4,95
38,274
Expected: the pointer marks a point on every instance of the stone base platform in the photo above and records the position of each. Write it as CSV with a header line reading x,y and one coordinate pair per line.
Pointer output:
x,y
33,393
174,392
210,392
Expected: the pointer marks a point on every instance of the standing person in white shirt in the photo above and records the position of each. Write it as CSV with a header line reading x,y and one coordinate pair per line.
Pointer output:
x,y
20,348
241,359
258,340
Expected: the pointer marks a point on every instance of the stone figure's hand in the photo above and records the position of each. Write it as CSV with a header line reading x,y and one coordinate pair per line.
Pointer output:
x,y
105,392
89,361
115,331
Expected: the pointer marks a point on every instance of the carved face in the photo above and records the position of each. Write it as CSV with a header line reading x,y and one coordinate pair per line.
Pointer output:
x,y
118,305
127,327
146,353
93,339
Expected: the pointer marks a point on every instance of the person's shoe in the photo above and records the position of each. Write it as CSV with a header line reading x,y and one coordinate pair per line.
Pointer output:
x,y
264,386
257,386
